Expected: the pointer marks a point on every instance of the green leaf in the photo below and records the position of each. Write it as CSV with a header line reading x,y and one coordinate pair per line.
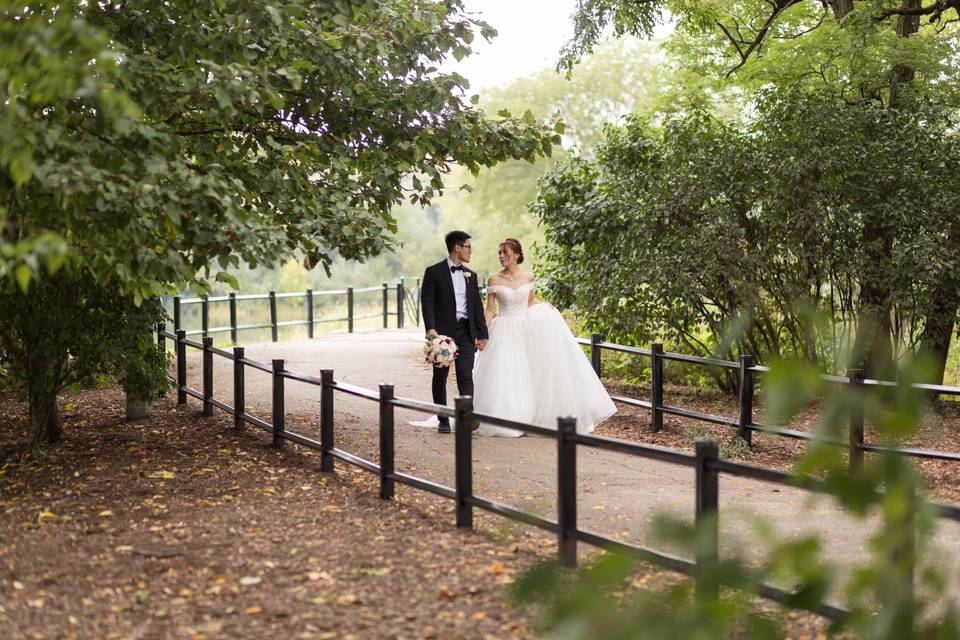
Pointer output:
x,y
23,275
223,276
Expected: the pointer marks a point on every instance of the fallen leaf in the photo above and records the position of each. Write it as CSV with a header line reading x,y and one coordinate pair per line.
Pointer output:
x,y
106,513
254,610
45,515
248,581
166,475
444,592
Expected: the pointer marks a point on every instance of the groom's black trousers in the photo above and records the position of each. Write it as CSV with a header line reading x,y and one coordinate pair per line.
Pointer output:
x,y
464,365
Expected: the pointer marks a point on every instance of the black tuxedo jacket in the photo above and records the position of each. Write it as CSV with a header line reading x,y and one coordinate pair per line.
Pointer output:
x,y
439,303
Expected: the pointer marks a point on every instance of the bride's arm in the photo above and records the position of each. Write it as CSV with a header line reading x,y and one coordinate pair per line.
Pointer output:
x,y
532,300
490,309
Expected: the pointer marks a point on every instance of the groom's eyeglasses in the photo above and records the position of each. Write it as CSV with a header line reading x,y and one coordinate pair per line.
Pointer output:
x,y
467,247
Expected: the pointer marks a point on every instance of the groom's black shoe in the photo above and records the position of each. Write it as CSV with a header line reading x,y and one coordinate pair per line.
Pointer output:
x,y
443,427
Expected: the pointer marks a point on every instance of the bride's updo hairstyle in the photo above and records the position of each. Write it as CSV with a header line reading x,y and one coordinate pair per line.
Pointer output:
x,y
514,245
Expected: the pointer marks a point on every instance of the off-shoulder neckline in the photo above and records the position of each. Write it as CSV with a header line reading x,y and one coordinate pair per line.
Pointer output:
x,y
503,286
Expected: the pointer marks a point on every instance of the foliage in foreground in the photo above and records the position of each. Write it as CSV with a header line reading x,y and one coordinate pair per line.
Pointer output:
x,y
897,593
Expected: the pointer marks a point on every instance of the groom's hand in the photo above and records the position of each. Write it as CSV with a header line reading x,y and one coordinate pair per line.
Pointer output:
x,y
481,344
432,333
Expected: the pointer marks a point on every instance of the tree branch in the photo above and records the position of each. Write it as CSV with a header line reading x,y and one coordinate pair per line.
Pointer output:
x,y
935,11
777,8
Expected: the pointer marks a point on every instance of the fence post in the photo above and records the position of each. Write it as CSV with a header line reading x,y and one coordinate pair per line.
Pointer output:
x,y
856,420
595,358
349,309
205,316
207,376
386,442
310,314
233,318
181,367
176,314
239,402
386,304
273,315
567,491
278,410
326,420
162,349
417,305
656,386
746,399
400,304
463,460
707,512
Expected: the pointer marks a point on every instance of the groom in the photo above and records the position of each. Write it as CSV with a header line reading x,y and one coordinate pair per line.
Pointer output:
x,y
451,304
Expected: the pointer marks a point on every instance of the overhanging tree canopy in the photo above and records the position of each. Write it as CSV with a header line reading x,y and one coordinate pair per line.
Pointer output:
x,y
144,140
144,144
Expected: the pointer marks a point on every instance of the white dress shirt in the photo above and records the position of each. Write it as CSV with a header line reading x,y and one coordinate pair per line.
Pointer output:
x,y
459,290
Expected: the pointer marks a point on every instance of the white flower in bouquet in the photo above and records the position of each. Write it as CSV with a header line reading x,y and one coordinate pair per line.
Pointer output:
x,y
440,351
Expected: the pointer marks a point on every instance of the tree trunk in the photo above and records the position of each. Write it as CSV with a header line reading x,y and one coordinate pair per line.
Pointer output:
x,y
873,347
937,333
940,316
901,74
46,427
841,8
136,409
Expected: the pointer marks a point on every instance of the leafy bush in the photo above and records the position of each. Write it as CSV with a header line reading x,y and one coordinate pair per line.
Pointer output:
x,y
885,599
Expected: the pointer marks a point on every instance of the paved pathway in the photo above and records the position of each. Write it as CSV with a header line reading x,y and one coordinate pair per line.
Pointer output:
x,y
617,494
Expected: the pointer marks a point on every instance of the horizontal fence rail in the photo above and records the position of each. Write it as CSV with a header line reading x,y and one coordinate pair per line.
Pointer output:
x,y
408,297
745,423
705,461
405,299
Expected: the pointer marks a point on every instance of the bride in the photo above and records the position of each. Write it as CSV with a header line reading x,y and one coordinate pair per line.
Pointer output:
x,y
532,369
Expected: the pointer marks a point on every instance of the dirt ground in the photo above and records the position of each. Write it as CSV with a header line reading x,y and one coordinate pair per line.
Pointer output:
x,y
939,430
177,526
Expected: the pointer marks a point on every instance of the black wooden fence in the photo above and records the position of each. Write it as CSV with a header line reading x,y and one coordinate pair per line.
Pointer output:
x,y
404,296
745,424
393,300
705,461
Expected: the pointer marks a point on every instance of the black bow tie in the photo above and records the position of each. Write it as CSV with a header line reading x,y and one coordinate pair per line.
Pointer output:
x,y
456,268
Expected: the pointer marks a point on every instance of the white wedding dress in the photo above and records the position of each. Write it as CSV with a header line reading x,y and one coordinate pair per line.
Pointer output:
x,y
533,370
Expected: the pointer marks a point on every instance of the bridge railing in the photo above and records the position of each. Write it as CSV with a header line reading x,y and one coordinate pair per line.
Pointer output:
x,y
399,301
707,465
744,423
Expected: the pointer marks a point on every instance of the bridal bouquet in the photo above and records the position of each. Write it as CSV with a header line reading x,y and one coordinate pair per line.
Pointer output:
x,y
440,351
